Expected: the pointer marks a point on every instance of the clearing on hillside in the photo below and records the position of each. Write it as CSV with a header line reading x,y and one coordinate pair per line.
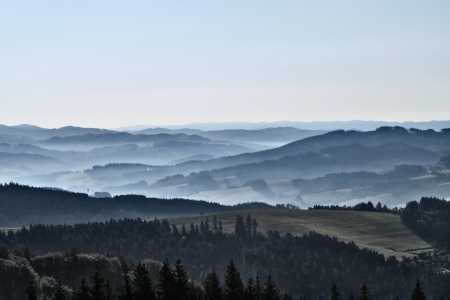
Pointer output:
x,y
381,232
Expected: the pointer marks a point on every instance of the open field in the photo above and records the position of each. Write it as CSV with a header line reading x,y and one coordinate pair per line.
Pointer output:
x,y
381,232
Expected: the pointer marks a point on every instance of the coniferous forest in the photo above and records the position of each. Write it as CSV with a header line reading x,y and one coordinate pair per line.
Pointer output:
x,y
208,264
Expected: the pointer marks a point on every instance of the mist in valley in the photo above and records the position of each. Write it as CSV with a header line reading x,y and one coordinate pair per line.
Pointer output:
x,y
389,165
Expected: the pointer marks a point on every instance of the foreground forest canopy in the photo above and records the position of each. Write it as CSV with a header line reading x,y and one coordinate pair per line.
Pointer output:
x,y
174,283
304,266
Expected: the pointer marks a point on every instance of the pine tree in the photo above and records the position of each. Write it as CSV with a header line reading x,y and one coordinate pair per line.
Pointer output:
x,y
287,296
248,226
233,286
335,295
97,289
202,227
213,290
351,296
206,224
364,295
239,227
59,293
166,282
182,290
270,290
255,227
31,291
250,290
143,286
258,288
214,223
82,292
125,292
417,292
108,290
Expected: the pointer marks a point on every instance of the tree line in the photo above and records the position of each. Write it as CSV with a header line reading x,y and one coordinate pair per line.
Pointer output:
x,y
173,283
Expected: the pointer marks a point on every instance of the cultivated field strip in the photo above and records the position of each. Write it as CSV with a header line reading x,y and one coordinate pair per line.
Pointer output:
x,y
382,232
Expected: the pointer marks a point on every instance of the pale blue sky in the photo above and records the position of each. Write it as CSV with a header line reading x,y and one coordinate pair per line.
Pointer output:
x,y
116,63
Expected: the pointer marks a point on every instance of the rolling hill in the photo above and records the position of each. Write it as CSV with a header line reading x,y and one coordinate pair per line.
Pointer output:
x,y
427,139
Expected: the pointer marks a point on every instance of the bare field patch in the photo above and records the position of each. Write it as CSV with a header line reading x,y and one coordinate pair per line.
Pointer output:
x,y
381,232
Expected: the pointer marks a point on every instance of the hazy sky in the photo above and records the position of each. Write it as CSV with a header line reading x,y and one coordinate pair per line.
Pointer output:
x,y
116,63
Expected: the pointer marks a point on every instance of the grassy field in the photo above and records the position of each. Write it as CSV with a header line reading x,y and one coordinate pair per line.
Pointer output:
x,y
381,232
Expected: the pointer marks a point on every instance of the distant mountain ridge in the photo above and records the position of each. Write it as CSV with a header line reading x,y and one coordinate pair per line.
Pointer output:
x,y
315,125
122,137
38,133
424,139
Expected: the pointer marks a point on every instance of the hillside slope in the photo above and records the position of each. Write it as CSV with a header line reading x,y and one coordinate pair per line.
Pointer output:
x,y
381,232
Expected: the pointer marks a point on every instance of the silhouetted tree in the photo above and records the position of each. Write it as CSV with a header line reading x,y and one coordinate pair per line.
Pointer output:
x,y
270,290
233,286
97,289
143,286
417,292
125,292
166,282
351,296
213,290
31,291
364,294
59,293
335,295
254,227
82,292
248,226
239,227
182,288
287,296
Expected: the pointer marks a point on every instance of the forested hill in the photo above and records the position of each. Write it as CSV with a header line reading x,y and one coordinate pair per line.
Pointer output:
x,y
23,205
426,139
304,265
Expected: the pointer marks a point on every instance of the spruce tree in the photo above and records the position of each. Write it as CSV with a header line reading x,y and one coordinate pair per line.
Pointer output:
x,y
258,288
213,290
97,289
143,286
166,282
270,290
108,290
255,227
59,292
250,290
233,286
417,292
125,292
31,291
287,296
239,227
248,226
82,292
351,296
364,295
335,295
214,223
182,289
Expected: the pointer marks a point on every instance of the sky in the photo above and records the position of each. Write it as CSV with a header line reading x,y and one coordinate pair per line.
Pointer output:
x,y
118,63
